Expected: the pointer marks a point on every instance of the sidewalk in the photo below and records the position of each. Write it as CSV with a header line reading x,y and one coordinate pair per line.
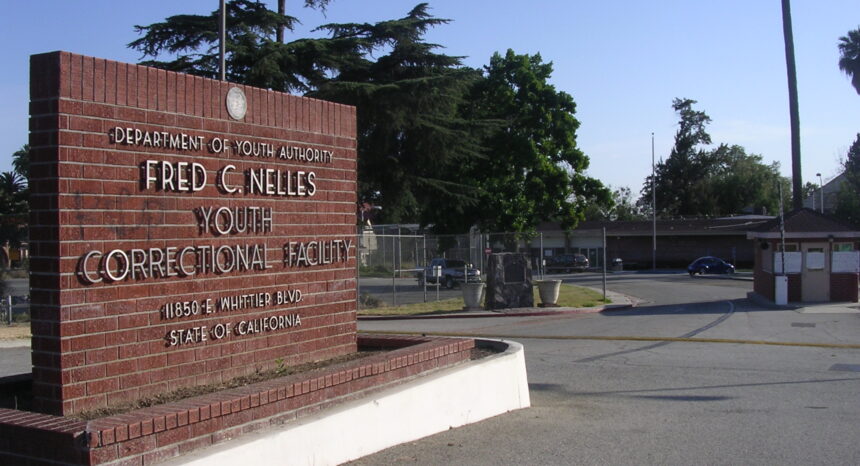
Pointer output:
x,y
806,308
746,276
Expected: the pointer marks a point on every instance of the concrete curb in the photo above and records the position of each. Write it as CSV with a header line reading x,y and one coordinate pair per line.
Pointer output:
x,y
526,312
434,403
760,300
627,303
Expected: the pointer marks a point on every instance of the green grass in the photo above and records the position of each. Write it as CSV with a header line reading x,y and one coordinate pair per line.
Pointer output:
x,y
569,296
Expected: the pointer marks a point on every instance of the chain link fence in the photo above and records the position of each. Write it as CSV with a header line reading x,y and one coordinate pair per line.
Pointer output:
x,y
394,259
14,305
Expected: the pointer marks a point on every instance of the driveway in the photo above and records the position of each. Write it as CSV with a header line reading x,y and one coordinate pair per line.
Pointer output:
x,y
694,375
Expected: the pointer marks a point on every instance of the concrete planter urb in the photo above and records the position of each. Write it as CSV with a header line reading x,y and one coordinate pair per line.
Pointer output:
x,y
548,291
472,294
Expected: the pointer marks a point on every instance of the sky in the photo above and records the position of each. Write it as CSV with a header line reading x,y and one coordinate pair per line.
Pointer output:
x,y
623,61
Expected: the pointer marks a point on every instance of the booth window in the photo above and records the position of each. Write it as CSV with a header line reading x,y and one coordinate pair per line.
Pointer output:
x,y
815,259
843,247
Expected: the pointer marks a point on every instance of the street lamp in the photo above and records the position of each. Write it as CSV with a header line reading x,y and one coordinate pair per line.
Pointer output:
x,y
821,187
653,209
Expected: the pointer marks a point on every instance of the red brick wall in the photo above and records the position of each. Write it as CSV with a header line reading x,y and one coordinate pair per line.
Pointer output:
x,y
843,287
100,344
763,282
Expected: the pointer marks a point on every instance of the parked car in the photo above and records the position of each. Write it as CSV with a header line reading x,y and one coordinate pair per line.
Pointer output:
x,y
567,263
709,264
453,271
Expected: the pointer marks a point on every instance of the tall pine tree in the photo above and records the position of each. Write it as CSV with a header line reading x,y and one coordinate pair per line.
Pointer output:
x,y
696,182
254,56
412,140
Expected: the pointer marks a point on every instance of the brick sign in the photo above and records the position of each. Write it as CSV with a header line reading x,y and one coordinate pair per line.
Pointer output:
x,y
184,231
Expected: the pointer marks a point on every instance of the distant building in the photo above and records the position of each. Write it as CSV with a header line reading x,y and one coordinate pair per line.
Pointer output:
x,y
679,241
831,194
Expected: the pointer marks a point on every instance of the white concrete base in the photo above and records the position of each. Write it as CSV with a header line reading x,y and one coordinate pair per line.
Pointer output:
x,y
449,398
780,287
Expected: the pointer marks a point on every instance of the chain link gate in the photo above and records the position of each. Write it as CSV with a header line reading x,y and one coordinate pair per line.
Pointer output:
x,y
391,264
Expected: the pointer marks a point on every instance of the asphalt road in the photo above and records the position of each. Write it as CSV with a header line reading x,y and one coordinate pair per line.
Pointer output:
x,y
681,395
407,290
694,375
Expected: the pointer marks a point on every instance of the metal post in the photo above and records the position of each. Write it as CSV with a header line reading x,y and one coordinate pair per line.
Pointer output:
x,y
604,265
424,265
394,272
485,260
222,42
653,208
540,259
359,233
821,188
781,230
9,304
438,276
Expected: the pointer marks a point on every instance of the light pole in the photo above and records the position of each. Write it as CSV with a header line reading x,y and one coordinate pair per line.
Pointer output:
x,y
653,209
820,187
222,40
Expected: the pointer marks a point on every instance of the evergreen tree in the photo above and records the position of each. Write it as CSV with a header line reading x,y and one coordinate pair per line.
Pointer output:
x,y
254,56
533,170
695,182
738,181
412,141
848,200
424,154
677,176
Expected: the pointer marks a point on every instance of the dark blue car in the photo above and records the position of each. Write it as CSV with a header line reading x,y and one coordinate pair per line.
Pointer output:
x,y
709,264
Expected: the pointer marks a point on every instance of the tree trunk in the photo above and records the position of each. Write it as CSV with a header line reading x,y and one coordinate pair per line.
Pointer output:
x,y
796,176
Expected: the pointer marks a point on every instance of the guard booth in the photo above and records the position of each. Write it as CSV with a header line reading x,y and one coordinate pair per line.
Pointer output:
x,y
820,260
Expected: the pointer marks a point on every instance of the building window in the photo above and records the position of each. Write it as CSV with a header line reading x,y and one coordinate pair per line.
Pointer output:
x,y
843,247
789,247
815,259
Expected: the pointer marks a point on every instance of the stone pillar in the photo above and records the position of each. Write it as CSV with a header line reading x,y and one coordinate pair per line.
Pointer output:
x,y
509,281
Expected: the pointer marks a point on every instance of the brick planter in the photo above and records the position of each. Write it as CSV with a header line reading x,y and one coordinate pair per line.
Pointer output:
x,y
149,435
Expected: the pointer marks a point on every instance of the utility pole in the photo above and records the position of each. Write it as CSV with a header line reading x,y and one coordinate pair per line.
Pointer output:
x,y
604,265
821,190
282,10
222,42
